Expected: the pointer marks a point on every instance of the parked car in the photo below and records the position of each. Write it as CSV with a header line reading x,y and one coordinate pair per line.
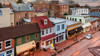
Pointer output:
x,y
89,36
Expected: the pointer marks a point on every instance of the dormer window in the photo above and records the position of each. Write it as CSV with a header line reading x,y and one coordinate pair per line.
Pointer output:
x,y
45,22
30,7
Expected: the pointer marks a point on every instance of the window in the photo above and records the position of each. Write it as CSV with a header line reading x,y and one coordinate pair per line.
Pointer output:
x,y
43,43
75,19
62,26
70,18
67,17
0,12
58,27
9,52
45,21
27,38
0,45
36,35
7,43
46,31
80,20
42,32
16,23
48,42
50,30
19,41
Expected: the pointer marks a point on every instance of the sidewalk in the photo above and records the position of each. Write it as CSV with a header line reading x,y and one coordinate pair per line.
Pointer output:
x,y
63,45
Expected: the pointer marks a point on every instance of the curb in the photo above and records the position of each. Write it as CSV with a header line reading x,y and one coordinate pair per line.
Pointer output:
x,y
71,44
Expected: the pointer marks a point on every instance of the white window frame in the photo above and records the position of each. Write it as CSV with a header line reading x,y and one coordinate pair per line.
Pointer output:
x,y
10,43
46,22
1,45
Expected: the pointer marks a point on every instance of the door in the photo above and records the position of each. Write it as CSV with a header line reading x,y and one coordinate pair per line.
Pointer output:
x,y
37,45
57,39
54,40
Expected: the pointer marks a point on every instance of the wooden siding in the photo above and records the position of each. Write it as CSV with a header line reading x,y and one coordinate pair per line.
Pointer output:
x,y
32,37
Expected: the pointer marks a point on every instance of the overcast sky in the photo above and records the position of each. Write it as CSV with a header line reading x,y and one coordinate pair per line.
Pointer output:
x,y
89,2
83,2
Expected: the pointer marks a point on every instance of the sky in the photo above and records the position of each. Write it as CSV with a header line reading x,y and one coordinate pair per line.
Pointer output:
x,y
83,2
89,2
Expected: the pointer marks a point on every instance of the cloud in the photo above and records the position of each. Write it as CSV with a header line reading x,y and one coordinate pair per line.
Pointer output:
x,y
89,2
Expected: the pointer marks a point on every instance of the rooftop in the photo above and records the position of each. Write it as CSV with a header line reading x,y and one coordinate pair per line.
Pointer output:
x,y
58,20
17,31
93,19
78,15
22,7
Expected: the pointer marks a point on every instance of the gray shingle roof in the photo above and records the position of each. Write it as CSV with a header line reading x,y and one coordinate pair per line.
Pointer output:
x,y
95,14
22,7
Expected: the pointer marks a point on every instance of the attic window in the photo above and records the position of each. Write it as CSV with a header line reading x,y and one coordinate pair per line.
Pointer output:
x,y
45,21
30,7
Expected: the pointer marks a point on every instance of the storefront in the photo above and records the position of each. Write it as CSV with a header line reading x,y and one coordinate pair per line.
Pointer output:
x,y
26,49
46,41
86,27
9,52
60,38
2,53
74,32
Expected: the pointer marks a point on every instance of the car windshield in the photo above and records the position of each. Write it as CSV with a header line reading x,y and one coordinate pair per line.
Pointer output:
x,y
89,35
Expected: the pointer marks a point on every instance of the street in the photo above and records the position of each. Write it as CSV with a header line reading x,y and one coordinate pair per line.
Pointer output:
x,y
81,48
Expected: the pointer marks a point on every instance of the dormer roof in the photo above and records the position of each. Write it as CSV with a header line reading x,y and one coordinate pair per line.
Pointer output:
x,y
40,21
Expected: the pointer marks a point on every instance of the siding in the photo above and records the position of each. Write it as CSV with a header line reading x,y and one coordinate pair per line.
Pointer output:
x,y
32,37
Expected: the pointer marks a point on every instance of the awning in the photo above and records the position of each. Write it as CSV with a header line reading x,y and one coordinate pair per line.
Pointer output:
x,y
86,25
48,37
71,32
79,29
24,47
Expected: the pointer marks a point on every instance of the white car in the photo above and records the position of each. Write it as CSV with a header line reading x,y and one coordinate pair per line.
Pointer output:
x,y
89,36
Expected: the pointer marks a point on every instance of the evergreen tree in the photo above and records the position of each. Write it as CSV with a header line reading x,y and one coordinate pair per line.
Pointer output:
x,y
1,5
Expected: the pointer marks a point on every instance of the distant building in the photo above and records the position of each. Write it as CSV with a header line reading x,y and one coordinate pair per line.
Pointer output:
x,y
59,29
79,11
61,7
95,21
40,5
5,17
84,19
8,1
22,13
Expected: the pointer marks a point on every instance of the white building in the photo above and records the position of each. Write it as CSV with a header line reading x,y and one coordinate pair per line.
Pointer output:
x,y
84,19
79,11
59,29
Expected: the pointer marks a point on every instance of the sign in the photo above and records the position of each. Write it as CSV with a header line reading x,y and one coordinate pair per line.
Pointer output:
x,y
52,45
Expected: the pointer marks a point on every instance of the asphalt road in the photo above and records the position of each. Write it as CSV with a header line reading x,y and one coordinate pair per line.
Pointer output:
x,y
81,48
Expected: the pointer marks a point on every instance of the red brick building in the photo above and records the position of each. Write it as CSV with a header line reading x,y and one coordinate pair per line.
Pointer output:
x,y
22,13
40,5
60,8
